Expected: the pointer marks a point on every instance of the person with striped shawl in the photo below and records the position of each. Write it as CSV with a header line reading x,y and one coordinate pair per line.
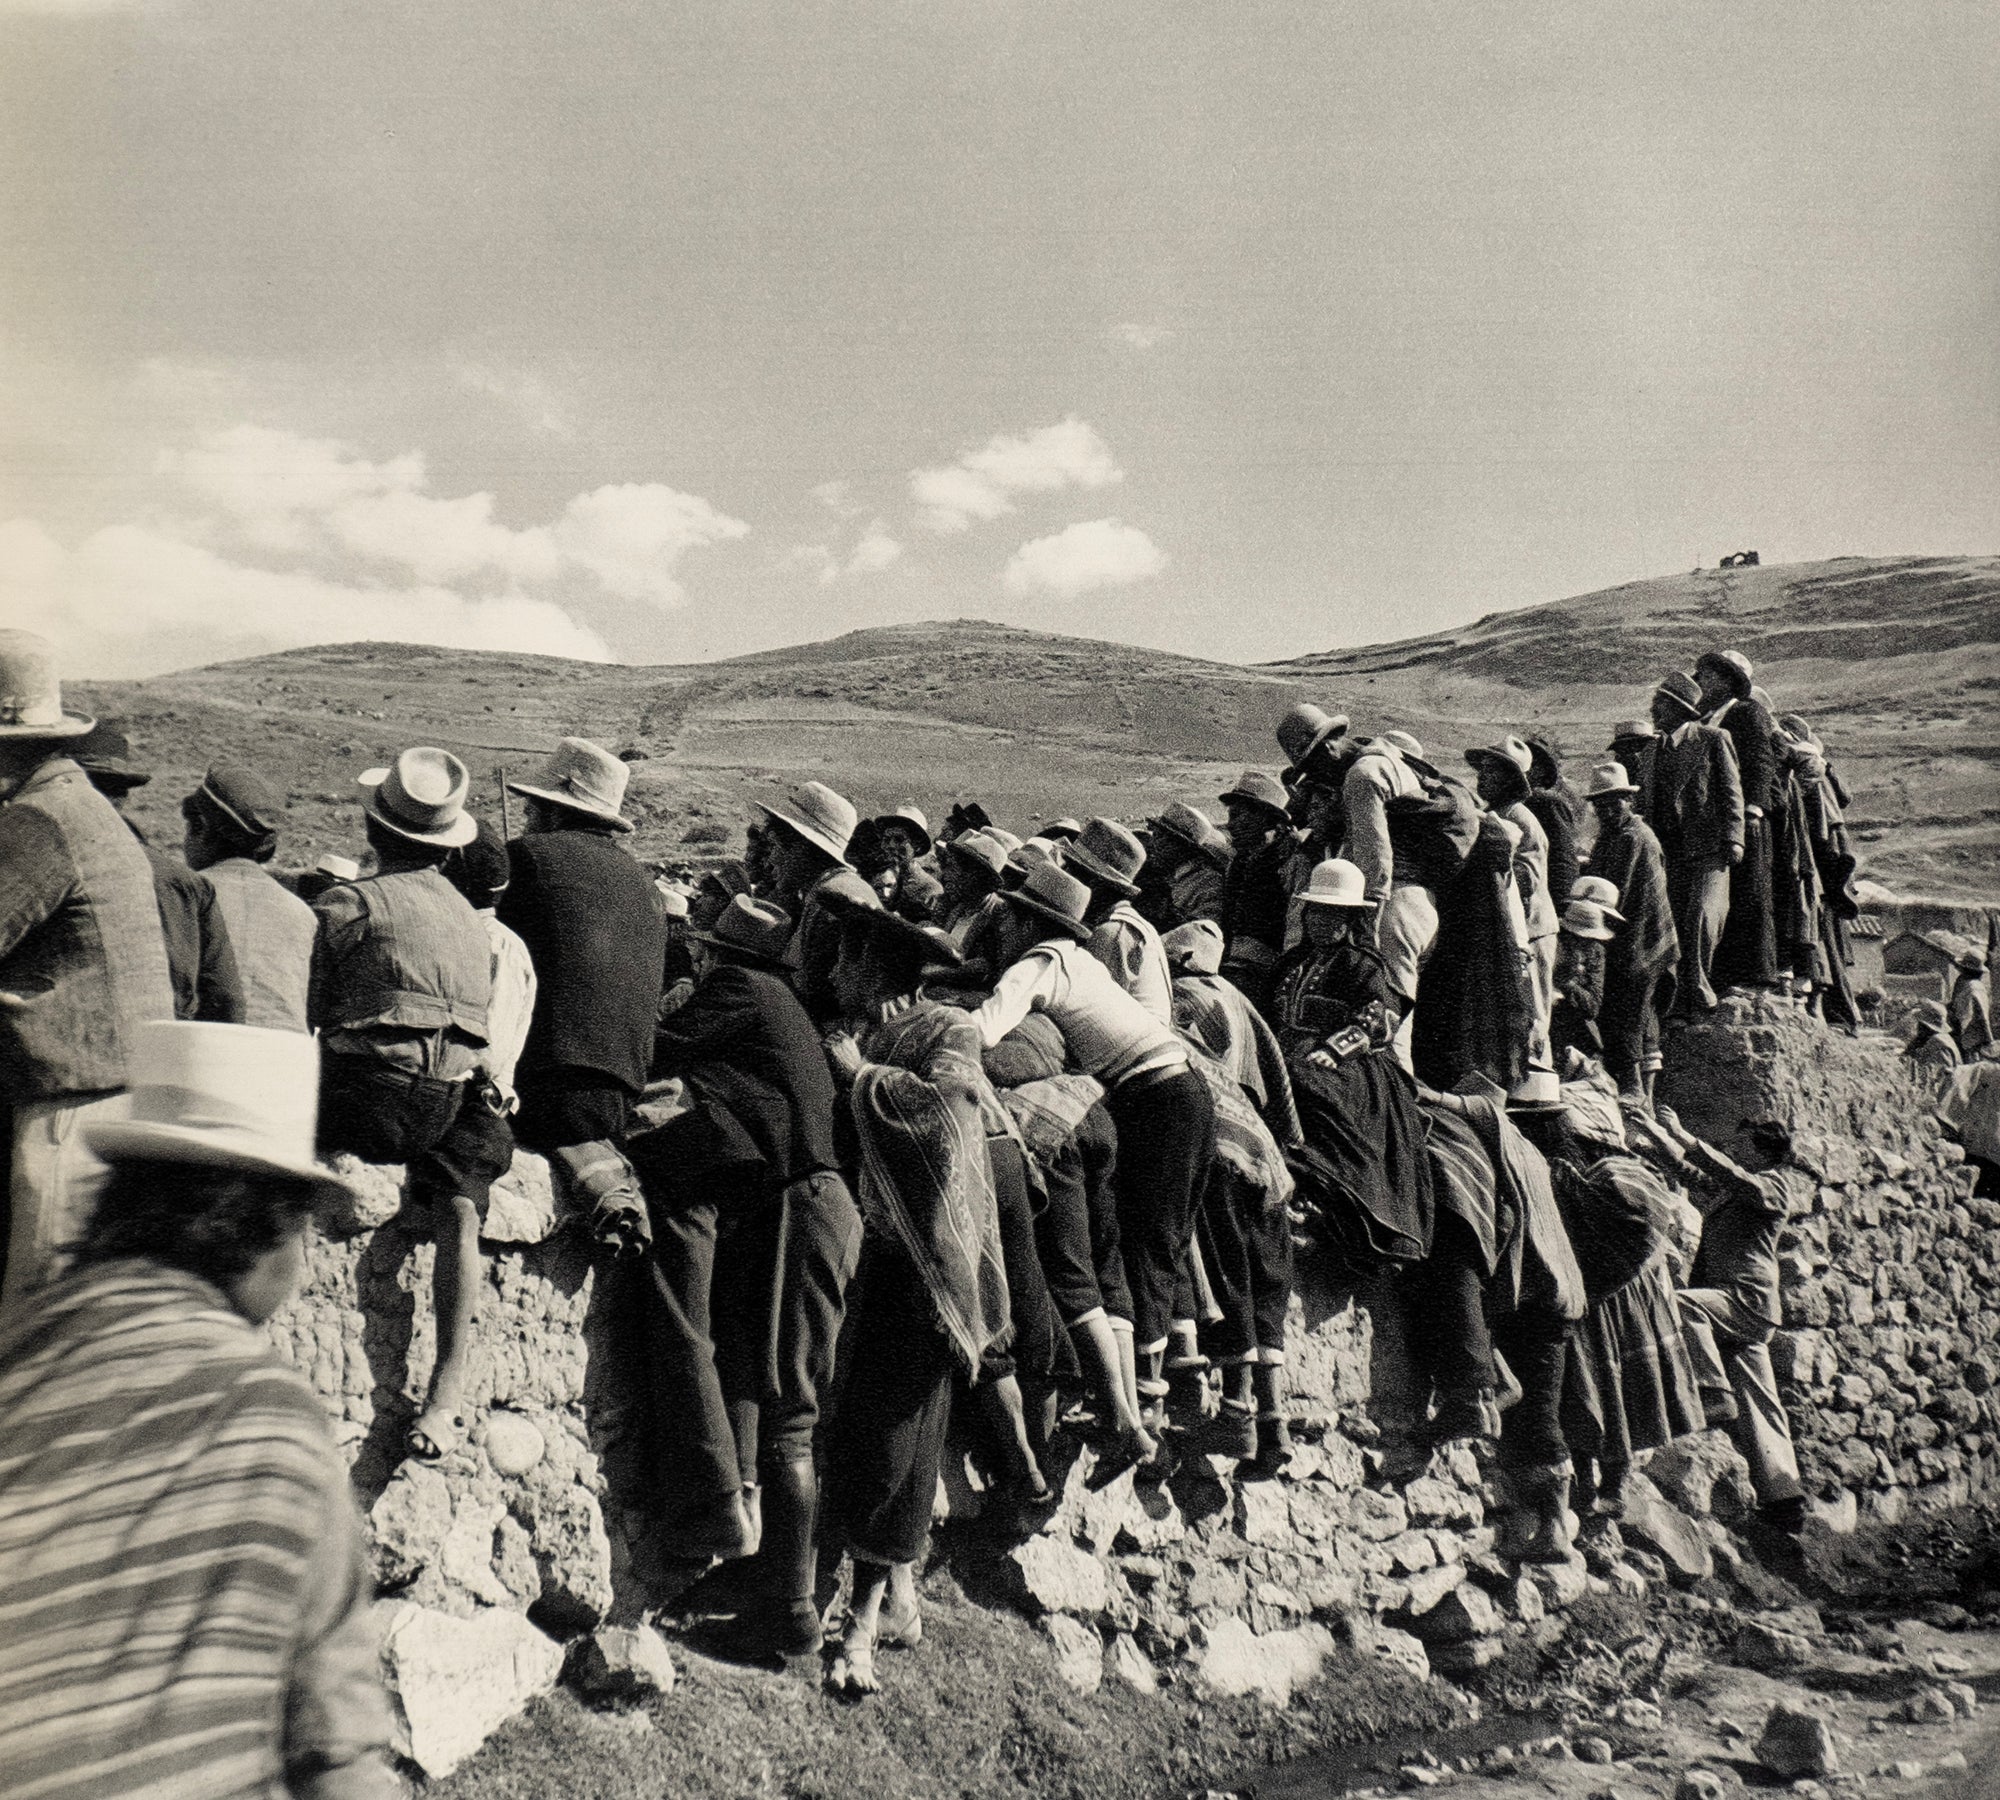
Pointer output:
x,y
183,1596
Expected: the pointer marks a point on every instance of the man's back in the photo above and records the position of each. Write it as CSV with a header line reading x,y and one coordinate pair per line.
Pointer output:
x,y
271,932
592,922
1694,797
82,960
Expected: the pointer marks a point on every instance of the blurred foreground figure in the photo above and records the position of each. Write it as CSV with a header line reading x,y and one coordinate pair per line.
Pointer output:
x,y
182,1592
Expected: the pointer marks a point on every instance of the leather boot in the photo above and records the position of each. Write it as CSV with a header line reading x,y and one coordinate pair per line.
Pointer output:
x,y
1546,1493
1274,1431
780,1618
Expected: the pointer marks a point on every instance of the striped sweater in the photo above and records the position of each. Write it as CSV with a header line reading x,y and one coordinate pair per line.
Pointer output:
x,y
182,1596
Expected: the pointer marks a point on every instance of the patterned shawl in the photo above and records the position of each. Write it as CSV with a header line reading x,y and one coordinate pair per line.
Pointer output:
x,y
1539,1268
926,1183
164,1498
1213,1013
1243,1141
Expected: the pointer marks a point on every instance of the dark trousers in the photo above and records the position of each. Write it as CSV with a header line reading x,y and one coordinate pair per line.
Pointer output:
x,y
565,1106
1246,1248
1064,1238
1444,1312
1536,1346
380,1114
1039,1350
1627,1023
888,1438
743,1316
1166,1141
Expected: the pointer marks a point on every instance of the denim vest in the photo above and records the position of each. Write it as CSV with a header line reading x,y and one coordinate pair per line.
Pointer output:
x,y
423,962
78,985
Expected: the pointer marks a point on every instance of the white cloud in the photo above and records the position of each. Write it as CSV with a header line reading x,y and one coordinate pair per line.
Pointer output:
x,y
131,599
981,483
528,394
1097,553
875,552
1141,337
296,540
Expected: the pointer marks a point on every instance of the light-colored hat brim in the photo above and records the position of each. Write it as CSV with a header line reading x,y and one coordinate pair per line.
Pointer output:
x,y
1028,903
1077,857
68,726
1596,936
1335,900
617,820
908,824
123,1140
812,834
461,831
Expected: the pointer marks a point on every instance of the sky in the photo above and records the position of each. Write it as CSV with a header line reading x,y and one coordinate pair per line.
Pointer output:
x,y
659,333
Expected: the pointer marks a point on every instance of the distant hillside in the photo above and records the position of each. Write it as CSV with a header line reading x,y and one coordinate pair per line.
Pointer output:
x,y
1895,661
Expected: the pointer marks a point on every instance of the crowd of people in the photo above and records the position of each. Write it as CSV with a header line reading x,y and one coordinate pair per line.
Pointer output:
x,y
916,1138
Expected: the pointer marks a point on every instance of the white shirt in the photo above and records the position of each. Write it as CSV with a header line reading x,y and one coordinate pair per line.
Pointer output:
x,y
511,1007
1108,1032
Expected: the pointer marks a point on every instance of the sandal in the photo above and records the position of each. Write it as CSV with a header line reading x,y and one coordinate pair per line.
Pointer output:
x,y
901,1634
437,1432
852,1672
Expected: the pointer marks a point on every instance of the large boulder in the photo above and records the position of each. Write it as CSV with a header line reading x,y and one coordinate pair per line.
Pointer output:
x,y
1237,1661
453,1682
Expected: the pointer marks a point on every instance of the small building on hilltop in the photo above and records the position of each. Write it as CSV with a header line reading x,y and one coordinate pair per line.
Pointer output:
x,y
1922,965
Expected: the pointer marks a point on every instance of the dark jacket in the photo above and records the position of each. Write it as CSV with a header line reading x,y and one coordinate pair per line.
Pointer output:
x,y
758,1078
1694,796
1630,859
82,962
1256,894
593,925
1754,735
200,959
1557,811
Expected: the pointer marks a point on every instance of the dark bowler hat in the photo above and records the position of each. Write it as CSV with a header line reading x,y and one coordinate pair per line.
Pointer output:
x,y
1054,894
750,928
1305,728
1110,853
104,753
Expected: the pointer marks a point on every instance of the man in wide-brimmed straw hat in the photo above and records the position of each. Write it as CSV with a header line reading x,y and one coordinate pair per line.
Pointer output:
x,y
1183,860
170,1485
903,835
751,1209
232,823
1694,803
401,980
201,956
83,963
1107,859
1640,960
593,923
807,838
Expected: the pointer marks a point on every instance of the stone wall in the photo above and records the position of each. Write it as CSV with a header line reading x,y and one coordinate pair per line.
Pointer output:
x,y
1890,1356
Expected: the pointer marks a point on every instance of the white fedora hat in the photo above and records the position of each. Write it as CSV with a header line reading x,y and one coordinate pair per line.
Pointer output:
x,y
421,796
1336,882
819,815
235,1096
584,777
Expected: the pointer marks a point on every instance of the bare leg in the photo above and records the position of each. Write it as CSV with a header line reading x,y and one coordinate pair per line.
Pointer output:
x,y
456,1277
1008,1414
1109,1351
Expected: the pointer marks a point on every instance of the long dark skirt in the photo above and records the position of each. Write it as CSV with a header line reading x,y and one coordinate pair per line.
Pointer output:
x,y
1629,1385
886,1448
1364,1156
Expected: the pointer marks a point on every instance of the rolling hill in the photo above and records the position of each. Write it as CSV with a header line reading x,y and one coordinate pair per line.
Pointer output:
x,y
1896,661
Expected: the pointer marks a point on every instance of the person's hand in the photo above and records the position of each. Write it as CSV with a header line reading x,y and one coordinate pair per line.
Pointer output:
x,y
1735,853
844,1054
